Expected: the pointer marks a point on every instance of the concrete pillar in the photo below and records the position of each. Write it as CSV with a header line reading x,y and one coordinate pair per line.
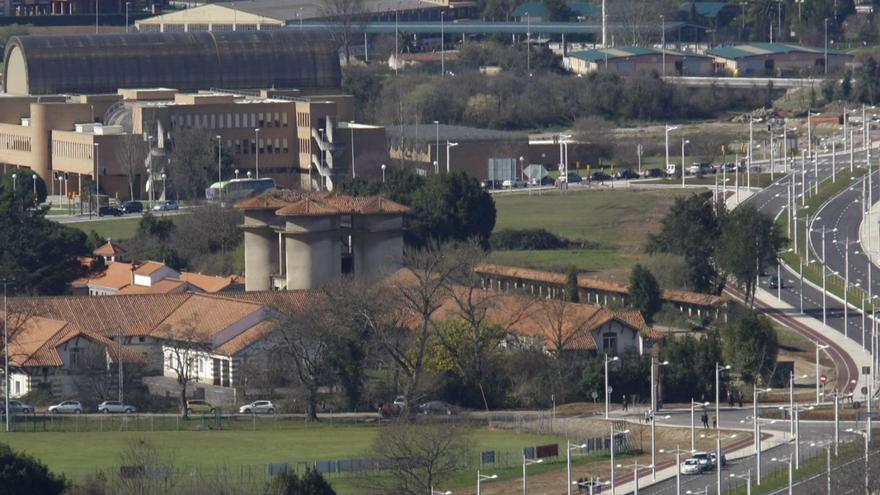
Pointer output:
x,y
313,251
377,242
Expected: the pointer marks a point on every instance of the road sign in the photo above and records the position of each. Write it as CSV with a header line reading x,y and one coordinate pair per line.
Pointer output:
x,y
823,378
594,395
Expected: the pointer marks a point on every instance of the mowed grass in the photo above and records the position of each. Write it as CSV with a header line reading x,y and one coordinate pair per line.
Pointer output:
x,y
114,228
78,454
618,220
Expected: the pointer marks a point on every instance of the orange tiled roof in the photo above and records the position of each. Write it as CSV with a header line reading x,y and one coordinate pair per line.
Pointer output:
x,y
210,283
205,314
589,283
247,338
148,267
164,286
109,249
300,203
116,276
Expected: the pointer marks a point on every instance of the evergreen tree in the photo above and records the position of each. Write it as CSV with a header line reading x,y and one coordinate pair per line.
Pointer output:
x,y
571,285
644,292
21,474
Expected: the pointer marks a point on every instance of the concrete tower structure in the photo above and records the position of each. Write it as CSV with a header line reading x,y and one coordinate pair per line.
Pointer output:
x,y
300,240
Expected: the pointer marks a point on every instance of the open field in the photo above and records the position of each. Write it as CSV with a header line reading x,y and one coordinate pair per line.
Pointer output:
x,y
619,221
78,454
113,228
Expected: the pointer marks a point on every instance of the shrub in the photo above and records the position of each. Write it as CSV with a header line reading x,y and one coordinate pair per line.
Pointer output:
x,y
527,240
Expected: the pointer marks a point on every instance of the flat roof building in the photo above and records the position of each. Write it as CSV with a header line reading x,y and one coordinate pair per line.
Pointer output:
x,y
628,60
776,60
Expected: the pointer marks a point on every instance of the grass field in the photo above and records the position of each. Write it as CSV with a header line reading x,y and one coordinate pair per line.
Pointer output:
x,y
116,228
78,454
619,221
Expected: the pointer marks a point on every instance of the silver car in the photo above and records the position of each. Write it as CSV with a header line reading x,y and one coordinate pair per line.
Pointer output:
x,y
257,407
67,407
691,466
16,407
114,406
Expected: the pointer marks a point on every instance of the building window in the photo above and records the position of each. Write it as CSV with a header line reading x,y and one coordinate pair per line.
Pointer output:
x,y
268,146
284,144
213,121
277,119
238,146
253,119
229,120
237,120
283,119
277,146
260,121
609,342
141,339
253,146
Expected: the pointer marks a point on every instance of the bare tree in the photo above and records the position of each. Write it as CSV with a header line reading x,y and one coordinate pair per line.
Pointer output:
x,y
306,343
418,457
343,16
635,22
184,346
192,155
131,153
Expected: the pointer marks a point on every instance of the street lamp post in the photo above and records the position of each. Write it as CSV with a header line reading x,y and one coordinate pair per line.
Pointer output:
x,y
607,393
790,472
635,466
755,392
683,142
450,145
351,128
614,433
677,451
219,166
866,435
669,128
483,477
748,478
526,463
821,347
126,16
718,370
164,198
654,417
569,448
718,456
383,173
693,423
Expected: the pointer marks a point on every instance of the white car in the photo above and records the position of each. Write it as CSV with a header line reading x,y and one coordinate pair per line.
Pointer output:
x,y
166,206
258,406
706,460
114,406
691,466
67,407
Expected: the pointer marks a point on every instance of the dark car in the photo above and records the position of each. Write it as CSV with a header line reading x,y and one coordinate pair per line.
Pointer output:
x,y
626,174
109,210
547,181
491,184
775,282
599,176
132,207
438,407
654,173
389,411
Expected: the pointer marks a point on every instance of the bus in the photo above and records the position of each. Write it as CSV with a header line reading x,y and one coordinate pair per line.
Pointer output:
x,y
236,189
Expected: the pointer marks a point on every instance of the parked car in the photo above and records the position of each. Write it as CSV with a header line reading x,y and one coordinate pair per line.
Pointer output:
x,y
399,401
165,206
775,282
705,460
653,173
109,210
691,466
626,174
132,207
18,407
545,181
571,178
491,184
714,456
258,407
389,411
67,407
599,176
199,406
438,407
512,183
114,406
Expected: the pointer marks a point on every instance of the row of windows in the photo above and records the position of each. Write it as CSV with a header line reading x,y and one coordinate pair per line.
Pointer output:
x,y
72,150
15,143
249,146
251,120
305,146
303,119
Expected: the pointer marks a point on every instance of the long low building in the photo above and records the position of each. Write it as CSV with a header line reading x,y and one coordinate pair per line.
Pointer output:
x,y
628,60
777,60
601,292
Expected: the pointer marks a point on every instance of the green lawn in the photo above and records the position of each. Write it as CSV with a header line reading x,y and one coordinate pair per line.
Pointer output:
x,y
618,221
78,454
116,228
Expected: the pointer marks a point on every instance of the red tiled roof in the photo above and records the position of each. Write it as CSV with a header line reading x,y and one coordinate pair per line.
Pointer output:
x,y
148,267
299,203
247,338
584,282
116,276
109,249
164,286
205,314
210,283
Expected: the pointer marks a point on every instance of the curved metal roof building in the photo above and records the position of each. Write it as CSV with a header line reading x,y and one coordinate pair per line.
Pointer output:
x,y
103,63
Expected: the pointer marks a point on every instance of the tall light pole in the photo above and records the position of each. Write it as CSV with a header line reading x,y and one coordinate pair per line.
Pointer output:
x,y
605,26
6,282
607,392
751,151
442,43
96,16
866,435
790,471
449,146
662,47
820,347
614,433
436,140
683,142
568,449
718,454
219,164
635,467
748,478
483,477
718,370
526,463
693,422
126,16
654,417
257,149
669,128
826,46
755,394
677,451
351,128
383,173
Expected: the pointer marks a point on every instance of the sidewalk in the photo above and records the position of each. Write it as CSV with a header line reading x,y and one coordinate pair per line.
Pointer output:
x,y
869,234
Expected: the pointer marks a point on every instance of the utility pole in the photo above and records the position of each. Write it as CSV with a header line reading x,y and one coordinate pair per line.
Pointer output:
x,y
6,282
119,359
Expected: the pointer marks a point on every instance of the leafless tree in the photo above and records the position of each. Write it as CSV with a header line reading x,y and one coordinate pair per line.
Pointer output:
x,y
131,153
418,457
192,155
343,16
184,345
636,21
306,342
145,469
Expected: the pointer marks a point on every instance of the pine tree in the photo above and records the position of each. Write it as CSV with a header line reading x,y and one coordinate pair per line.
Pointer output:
x,y
571,285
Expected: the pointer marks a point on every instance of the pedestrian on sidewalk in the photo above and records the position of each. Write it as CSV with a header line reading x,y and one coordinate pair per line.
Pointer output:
x,y
714,422
624,402
705,419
